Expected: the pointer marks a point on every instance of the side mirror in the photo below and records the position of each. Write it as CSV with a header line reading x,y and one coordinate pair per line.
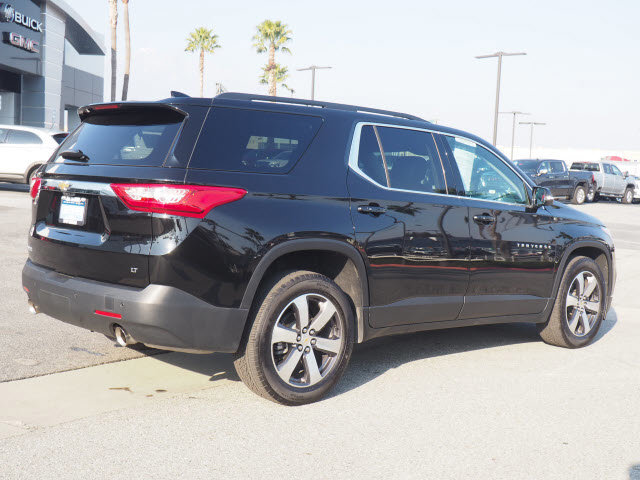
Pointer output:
x,y
625,174
542,197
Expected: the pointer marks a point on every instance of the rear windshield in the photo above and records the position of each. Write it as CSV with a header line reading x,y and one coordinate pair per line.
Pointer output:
x,y
527,166
125,138
253,141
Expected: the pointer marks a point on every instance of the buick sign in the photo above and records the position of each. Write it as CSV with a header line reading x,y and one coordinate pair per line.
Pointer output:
x,y
9,14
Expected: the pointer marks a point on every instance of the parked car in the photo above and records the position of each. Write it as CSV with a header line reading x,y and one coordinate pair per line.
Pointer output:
x,y
610,180
577,186
181,224
24,149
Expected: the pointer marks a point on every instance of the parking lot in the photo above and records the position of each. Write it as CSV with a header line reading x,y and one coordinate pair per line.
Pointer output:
x,y
481,402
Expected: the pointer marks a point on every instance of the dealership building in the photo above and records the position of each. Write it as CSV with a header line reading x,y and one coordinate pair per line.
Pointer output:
x,y
51,63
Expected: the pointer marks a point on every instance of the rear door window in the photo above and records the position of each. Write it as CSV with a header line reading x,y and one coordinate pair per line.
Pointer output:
x,y
253,141
20,137
137,137
412,160
557,167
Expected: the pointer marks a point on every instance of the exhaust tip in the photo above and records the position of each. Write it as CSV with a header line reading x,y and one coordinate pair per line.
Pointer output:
x,y
122,337
33,308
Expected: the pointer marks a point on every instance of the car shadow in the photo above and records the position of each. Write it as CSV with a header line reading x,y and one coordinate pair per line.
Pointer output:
x,y
14,187
373,358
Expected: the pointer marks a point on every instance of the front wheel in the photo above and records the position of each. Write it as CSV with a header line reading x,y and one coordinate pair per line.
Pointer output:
x,y
579,308
591,195
300,341
627,198
579,196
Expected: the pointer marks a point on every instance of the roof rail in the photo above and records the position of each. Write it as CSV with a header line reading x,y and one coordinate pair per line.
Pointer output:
x,y
313,103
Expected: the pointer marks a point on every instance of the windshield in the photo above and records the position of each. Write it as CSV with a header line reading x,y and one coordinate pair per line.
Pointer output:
x,y
125,138
527,166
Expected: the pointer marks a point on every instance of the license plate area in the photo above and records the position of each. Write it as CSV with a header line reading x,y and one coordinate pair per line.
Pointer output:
x,y
73,210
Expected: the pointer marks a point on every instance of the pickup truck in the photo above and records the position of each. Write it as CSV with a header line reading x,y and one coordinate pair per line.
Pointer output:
x,y
609,179
577,186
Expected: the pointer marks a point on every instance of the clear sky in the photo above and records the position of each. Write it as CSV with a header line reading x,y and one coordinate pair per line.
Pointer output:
x,y
581,75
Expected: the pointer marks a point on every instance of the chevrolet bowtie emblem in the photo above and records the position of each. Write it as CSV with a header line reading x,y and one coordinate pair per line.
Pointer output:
x,y
64,186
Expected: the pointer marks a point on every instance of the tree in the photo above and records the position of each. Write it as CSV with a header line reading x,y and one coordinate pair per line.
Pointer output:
x,y
204,40
127,50
113,17
280,74
270,37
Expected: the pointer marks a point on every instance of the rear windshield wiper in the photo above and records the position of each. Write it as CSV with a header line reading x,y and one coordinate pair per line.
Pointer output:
x,y
76,155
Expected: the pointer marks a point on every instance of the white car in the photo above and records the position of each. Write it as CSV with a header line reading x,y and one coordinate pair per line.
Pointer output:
x,y
24,149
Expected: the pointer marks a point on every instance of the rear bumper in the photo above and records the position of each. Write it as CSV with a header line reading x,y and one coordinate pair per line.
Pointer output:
x,y
157,315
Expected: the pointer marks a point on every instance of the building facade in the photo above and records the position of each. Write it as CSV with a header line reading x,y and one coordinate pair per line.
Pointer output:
x,y
51,63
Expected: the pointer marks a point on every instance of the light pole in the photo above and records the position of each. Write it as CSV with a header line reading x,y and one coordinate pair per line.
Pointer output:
x,y
513,127
533,124
499,55
313,69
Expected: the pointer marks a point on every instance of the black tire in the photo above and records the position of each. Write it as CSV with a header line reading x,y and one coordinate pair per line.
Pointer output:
x,y
579,195
30,174
627,198
255,359
596,197
556,330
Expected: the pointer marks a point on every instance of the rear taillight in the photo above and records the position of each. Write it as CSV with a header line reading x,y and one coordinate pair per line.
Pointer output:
x,y
593,178
34,186
183,200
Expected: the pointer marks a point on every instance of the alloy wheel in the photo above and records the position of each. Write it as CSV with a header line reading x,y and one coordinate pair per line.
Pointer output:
x,y
629,195
306,340
580,196
583,303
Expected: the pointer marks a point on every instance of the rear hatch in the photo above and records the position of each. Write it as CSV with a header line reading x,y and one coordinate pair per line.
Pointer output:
x,y
81,227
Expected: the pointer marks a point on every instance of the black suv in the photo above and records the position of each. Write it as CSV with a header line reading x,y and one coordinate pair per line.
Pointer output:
x,y
285,231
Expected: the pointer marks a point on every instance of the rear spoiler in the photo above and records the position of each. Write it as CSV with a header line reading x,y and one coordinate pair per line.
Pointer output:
x,y
117,107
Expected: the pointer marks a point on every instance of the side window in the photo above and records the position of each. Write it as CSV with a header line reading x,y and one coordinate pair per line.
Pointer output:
x,y
607,168
557,167
484,175
3,134
544,168
412,160
20,137
615,170
370,160
253,141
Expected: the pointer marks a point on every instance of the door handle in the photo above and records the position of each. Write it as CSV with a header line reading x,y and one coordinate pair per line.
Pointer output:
x,y
371,209
484,219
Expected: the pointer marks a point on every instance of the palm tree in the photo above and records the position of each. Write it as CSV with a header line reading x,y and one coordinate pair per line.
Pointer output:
x,y
270,37
127,50
113,17
280,74
205,41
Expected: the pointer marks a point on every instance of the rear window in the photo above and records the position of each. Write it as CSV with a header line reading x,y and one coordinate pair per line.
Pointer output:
x,y
253,141
129,137
527,166
577,166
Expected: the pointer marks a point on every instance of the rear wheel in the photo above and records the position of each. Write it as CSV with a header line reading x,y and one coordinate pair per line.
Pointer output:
x,y
627,198
579,307
300,341
591,195
579,195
